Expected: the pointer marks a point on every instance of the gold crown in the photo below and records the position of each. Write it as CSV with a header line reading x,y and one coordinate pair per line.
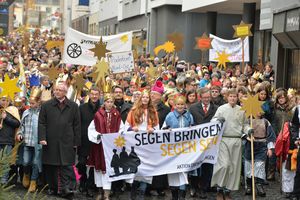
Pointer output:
x,y
46,95
35,94
256,75
108,96
292,91
18,102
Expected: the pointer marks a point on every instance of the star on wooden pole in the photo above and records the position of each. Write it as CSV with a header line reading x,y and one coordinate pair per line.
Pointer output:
x,y
100,49
252,107
242,30
203,43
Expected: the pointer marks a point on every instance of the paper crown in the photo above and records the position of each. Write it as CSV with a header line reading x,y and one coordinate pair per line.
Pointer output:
x,y
18,102
35,94
108,96
257,75
292,91
46,95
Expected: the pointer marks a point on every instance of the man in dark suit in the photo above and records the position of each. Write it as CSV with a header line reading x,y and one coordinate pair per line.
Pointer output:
x,y
120,104
123,108
59,133
203,112
87,113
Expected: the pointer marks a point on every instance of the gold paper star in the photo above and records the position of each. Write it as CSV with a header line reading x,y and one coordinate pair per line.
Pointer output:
x,y
124,38
222,59
136,41
252,106
203,43
101,70
152,71
53,73
242,30
177,39
79,82
100,49
120,141
55,43
9,87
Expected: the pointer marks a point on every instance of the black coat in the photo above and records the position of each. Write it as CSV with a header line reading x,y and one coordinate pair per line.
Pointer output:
x,y
61,130
162,111
87,113
8,130
198,113
123,109
161,182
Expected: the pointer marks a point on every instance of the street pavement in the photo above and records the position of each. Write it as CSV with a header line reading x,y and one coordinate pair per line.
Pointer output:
x,y
272,190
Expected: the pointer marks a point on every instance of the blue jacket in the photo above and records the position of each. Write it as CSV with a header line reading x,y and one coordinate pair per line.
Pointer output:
x,y
177,120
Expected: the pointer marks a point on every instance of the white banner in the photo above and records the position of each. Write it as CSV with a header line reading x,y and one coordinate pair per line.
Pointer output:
x,y
232,47
77,45
163,152
121,61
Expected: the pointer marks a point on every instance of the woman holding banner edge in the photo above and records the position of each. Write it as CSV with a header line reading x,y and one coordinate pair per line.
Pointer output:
x,y
142,117
179,118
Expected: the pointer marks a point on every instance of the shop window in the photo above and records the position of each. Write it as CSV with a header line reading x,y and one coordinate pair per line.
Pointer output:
x,y
293,69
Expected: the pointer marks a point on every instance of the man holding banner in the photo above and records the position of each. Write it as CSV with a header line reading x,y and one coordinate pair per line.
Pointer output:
x,y
227,170
202,112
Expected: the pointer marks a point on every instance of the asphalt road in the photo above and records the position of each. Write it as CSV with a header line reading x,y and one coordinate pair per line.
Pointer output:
x,y
272,191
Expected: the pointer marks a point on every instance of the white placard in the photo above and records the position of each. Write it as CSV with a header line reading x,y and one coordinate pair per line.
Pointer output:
x,y
120,62
232,47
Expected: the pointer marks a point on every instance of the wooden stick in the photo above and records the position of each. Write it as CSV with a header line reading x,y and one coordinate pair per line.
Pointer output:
x,y
243,55
252,160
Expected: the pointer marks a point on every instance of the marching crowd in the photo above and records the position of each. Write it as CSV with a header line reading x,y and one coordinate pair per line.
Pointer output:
x,y
60,127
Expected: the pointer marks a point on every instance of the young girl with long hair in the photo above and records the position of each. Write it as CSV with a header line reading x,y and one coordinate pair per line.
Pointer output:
x,y
142,117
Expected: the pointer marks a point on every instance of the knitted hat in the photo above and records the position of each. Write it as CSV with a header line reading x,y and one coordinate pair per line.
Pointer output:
x,y
158,87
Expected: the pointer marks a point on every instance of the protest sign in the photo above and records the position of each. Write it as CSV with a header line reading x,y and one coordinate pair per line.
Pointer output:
x,y
77,46
163,152
231,47
120,62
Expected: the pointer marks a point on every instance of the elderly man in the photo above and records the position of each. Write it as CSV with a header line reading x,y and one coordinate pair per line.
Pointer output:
x,y
59,133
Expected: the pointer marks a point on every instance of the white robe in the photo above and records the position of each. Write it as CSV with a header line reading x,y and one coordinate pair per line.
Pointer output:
x,y
227,170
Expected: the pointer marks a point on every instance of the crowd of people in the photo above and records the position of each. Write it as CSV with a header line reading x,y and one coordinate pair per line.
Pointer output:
x,y
60,128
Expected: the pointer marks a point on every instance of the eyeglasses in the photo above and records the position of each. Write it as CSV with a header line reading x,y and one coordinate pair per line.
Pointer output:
x,y
214,91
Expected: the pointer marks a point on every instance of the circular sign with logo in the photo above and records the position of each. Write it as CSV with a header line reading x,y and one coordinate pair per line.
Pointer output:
x,y
74,50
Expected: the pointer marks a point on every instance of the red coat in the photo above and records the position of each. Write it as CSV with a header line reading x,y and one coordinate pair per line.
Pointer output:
x,y
96,157
282,144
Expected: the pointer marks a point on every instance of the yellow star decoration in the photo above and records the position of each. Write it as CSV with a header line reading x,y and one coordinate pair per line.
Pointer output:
x,y
177,39
101,70
79,82
168,47
55,43
222,59
242,30
252,106
136,41
9,87
120,141
152,71
100,49
53,73
124,38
